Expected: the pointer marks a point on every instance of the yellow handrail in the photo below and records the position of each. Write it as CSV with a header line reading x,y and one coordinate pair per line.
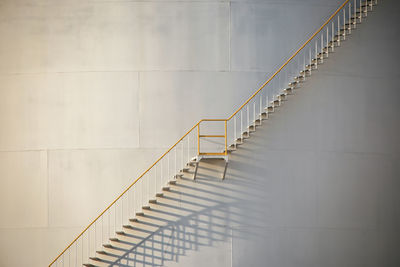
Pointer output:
x,y
287,61
129,187
197,125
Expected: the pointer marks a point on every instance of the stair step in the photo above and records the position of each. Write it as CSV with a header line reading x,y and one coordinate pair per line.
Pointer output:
x,y
108,246
172,182
127,226
159,194
153,201
306,71
185,169
277,102
114,239
239,141
270,109
311,66
101,252
245,135
264,115
232,148
369,4
356,18
252,128
179,175
133,220
120,232
282,97
299,78
288,90
146,207
140,213
95,259
166,188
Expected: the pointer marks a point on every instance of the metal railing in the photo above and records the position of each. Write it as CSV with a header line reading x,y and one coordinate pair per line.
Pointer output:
x,y
236,127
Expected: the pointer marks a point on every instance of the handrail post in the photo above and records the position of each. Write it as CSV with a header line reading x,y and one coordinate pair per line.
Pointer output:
x,y
198,139
333,36
226,138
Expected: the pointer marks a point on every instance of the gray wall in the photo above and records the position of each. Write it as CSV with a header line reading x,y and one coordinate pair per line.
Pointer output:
x,y
93,91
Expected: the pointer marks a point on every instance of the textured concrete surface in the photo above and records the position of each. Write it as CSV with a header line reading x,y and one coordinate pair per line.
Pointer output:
x,y
85,83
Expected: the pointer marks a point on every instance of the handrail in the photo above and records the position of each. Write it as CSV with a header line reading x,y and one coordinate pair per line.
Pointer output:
x,y
129,187
287,61
197,125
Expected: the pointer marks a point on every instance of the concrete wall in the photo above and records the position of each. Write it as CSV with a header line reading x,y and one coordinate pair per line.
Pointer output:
x,y
93,91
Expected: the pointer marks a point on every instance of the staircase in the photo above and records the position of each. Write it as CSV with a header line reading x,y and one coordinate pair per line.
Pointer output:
x,y
142,226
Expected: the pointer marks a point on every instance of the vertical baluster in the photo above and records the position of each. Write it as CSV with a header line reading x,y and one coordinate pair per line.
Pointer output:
x,y
327,41
355,13
102,228
344,24
168,170
254,114
360,10
333,36
266,99
241,124
322,48
304,65
109,225
261,105
248,119
88,252
183,160
188,155
142,188
175,160
234,130
338,30
155,176
95,234
349,19
316,54
76,253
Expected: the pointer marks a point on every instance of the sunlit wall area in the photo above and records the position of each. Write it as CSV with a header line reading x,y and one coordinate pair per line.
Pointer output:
x,y
92,92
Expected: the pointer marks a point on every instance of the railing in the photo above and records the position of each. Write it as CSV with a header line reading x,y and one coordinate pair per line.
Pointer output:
x,y
236,127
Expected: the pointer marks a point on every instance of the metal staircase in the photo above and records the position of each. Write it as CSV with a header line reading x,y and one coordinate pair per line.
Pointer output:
x,y
130,219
